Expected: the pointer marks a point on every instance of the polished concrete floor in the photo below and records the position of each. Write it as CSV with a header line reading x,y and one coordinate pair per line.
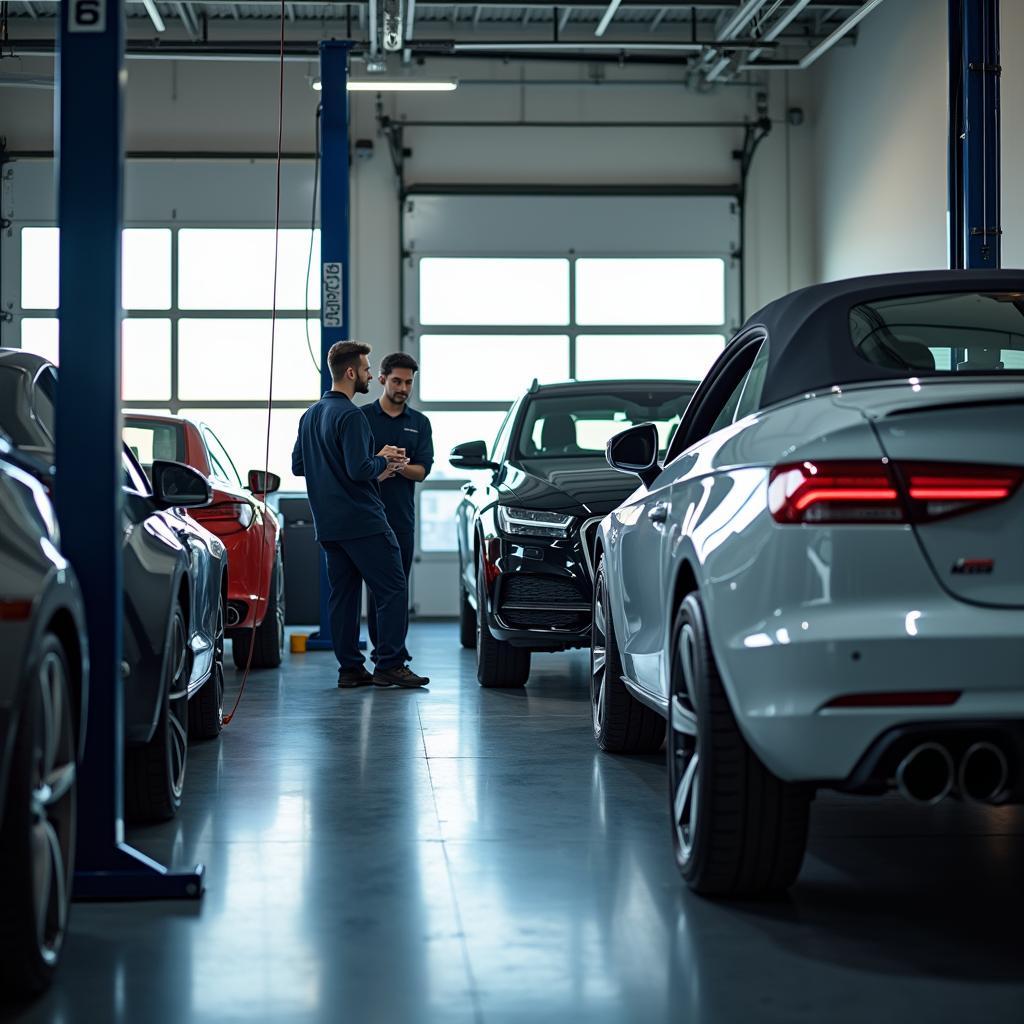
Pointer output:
x,y
461,855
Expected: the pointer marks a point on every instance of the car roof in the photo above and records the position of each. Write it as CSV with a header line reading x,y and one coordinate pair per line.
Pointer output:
x,y
570,386
23,360
810,347
152,417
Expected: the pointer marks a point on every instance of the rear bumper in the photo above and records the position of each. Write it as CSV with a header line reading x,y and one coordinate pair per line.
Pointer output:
x,y
780,691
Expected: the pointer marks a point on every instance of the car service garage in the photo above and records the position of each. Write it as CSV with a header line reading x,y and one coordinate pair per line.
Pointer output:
x,y
511,512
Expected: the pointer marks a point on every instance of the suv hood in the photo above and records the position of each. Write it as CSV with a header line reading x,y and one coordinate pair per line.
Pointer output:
x,y
582,486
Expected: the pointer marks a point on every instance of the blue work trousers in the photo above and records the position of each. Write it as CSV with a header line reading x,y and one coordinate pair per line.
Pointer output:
x,y
377,561
406,544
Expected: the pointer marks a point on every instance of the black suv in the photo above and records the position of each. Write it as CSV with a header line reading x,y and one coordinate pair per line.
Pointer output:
x,y
526,537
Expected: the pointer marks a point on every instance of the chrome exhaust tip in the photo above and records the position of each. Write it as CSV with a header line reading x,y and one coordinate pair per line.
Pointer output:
x,y
925,775
233,617
984,773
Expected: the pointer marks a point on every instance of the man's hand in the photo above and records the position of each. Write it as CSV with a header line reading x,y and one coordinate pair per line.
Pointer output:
x,y
395,465
390,452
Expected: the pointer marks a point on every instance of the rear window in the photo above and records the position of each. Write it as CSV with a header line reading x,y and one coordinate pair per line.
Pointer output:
x,y
581,423
149,440
964,332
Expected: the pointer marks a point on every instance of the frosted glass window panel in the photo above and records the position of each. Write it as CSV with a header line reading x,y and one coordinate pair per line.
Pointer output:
x,y
146,360
146,268
491,292
437,520
489,367
650,292
229,360
233,268
647,356
452,428
40,335
243,432
39,268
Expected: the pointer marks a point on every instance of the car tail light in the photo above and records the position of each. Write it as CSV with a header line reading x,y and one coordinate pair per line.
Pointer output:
x,y
880,491
914,699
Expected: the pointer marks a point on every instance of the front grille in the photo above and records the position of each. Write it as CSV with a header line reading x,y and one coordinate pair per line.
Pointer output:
x,y
557,603
523,588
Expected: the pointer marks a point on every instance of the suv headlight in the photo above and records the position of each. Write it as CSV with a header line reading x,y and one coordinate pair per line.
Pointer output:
x,y
527,522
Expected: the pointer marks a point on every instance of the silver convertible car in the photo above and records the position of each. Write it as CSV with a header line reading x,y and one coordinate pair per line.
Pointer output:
x,y
823,584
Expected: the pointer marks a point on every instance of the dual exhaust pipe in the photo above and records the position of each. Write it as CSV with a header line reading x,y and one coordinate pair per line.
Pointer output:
x,y
928,774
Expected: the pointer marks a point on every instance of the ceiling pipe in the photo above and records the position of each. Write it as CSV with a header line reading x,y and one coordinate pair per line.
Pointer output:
x,y
606,18
374,50
410,19
625,46
154,15
822,48
780,26
738,21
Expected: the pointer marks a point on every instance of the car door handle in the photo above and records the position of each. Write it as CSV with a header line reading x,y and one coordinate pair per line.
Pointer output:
x,y
658,513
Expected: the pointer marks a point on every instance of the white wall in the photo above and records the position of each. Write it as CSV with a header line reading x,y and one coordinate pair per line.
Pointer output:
x,y
231,107
880,143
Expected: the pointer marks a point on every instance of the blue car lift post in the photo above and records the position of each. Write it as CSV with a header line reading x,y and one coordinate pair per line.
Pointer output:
x,y
975,231
90,169
334,245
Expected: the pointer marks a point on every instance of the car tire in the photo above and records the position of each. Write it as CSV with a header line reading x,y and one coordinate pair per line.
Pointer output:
x,y
621,723
467,618
267,640
499,665
737,829
37,836
206,708
155,771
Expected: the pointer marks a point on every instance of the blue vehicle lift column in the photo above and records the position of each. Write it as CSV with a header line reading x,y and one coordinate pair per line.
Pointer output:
x,y
975,231
90,168
334,242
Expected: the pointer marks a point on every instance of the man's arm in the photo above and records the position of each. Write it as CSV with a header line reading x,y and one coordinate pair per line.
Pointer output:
x,y
355,438
423,461
298,468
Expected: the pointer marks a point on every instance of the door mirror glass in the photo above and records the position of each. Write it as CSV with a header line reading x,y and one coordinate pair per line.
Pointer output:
x,y
635,451
179,486
471,455
263,483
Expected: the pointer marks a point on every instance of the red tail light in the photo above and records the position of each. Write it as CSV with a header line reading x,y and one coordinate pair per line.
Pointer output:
x,y
225,514
880,491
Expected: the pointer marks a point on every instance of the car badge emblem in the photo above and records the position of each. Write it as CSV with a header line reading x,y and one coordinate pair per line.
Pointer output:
x,y
973,566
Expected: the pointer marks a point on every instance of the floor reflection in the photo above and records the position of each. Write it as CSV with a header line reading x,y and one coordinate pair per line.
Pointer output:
x,y
468,855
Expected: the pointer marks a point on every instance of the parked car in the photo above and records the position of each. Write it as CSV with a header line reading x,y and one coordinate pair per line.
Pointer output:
x,y
175,587
43,694
526,536
822,584
240,516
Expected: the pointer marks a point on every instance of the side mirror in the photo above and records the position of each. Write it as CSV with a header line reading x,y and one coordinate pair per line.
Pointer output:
x,y
179,486
263,483
635,451
471,455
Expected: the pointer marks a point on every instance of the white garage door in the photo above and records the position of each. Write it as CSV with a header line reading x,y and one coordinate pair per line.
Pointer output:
x,y
501,289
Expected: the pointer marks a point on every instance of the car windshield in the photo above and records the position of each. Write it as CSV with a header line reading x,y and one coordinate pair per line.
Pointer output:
x,y
151,439
962,332
581,423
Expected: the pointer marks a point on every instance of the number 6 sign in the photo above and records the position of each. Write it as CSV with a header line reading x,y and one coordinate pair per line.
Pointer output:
x,y
87,15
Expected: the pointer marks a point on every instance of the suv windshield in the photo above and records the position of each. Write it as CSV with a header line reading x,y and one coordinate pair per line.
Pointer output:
x,y
581,423
962,332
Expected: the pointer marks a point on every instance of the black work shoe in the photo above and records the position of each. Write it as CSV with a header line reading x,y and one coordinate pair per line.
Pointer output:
x,y
349,678
401,675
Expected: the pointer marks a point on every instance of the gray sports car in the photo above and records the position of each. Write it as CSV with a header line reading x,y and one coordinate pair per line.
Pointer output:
x,y
175,587
42,704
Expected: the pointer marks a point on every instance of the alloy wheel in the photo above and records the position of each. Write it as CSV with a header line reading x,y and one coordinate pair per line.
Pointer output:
x,y
178,697
599,658
52,806
684,744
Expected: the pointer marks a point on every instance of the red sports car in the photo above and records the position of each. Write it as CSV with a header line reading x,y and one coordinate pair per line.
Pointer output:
x,y
237,515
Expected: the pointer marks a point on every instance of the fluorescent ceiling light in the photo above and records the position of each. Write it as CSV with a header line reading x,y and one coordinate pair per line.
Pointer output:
x,y
399,85
316,85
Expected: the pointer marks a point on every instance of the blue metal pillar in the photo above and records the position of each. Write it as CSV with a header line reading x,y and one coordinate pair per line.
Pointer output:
x,y
974,142
334,241
90,166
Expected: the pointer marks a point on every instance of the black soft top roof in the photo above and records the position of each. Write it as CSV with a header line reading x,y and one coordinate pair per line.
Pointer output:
x,y
810,345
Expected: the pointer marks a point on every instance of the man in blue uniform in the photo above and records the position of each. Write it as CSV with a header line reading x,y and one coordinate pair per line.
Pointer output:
x,y
393,423
334,452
